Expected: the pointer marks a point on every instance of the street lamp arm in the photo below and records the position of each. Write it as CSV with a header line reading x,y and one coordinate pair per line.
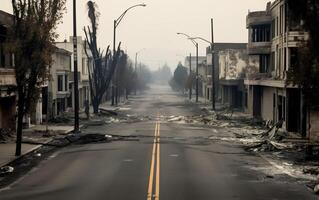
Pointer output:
x,y
200,38
118,20
188,37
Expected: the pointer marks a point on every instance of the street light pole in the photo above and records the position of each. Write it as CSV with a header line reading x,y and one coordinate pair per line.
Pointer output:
x,y
191,77
116,23
76,83
136,73
213,67
196,45
114,37
196,72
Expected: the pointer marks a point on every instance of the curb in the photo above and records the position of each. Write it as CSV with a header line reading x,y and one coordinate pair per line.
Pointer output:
x,y
33,149
21,156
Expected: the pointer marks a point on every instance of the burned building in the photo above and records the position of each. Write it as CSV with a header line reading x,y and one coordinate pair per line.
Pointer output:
x,y
218,47
7,76
272,49
232,66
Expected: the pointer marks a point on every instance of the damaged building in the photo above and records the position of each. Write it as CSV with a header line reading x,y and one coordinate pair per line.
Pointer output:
x,y
218,47
190,63
84,62
272,46
7,77
232,66
59,94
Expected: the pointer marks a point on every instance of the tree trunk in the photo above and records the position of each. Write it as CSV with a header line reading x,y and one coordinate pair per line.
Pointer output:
x,y
126,93
20,124
95,104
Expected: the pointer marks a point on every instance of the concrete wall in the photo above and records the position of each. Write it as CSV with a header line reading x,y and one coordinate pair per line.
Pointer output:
x,y
232,64
253,66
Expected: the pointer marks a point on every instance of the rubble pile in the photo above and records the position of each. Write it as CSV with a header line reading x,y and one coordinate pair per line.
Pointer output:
x,y
60,120
6,170
106,112
107,116
311,170
6,135
93,138
254,134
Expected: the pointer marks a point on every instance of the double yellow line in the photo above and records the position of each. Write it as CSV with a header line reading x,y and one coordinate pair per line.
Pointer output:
x,y
155,161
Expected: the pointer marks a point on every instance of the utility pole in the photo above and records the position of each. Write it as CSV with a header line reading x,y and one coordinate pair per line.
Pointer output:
x,y
213,67
191,77
196,72
76,79
136,72
114,42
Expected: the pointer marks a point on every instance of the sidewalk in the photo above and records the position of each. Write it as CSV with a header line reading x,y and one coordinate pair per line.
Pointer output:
x,y
35,134
7,152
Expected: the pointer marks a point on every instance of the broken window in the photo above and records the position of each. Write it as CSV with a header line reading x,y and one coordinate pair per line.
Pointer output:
x,y
261,33
273,60
66,82
294,57
264,63
281,108
60,83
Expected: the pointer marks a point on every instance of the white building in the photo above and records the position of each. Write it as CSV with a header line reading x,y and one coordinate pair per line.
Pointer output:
x,y
84,62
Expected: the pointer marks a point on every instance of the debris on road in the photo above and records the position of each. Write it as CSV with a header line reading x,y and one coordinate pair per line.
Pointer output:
x,y
93,138
311,170
107,112
60,120
6,135
95,123
125,138
6,170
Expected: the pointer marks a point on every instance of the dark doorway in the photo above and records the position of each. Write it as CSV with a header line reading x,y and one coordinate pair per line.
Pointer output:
x,y
294,106
257,101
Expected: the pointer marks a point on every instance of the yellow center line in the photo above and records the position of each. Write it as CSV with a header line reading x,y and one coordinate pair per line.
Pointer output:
x,y
155,169
150,183
157,189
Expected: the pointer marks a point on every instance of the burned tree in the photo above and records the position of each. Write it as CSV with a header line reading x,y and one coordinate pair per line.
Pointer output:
x,y
32,42
104,64
122,74
304,15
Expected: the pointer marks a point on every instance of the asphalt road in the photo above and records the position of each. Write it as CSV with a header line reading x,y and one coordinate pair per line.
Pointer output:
x,y
170,161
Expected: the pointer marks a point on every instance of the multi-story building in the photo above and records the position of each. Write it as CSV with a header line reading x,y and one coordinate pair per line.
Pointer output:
x,y
59,96
202,71
272,52
232,67
7,77
218,47
84,62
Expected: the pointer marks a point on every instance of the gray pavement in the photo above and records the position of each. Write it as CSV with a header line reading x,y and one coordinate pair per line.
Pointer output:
x,y
172,161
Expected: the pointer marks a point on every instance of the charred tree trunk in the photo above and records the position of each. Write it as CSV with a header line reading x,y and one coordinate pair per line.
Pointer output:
x,y
21,105
95,104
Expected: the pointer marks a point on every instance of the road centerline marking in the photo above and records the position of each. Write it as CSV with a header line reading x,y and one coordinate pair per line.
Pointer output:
x,y
157,188
151,177
154,176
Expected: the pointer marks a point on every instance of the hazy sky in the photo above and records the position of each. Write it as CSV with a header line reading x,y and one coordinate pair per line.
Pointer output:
x,y
154,27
